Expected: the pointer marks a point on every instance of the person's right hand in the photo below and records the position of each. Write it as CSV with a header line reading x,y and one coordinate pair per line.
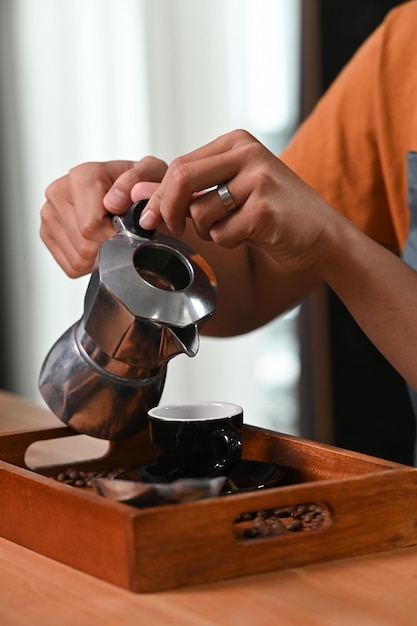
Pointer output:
x,y
77,215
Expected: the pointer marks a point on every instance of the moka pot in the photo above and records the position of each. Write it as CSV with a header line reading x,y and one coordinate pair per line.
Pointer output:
x,y
146,301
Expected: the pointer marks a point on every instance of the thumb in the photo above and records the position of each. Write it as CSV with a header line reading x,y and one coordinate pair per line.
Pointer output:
x,y
116,200
143,191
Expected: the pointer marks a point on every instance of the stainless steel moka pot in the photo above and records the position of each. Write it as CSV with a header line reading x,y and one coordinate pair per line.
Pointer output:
x,y
147,298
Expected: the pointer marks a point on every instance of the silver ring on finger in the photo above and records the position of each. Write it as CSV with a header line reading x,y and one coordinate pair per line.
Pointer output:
x,y
226,197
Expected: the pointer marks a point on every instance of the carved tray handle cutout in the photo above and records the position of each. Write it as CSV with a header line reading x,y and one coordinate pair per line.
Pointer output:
x,y
282,520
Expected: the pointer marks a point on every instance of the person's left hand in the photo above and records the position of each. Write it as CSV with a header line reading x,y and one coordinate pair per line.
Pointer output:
x,y
77,215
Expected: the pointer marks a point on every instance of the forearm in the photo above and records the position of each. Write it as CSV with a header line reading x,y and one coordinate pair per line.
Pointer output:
x,y
379,290
252,288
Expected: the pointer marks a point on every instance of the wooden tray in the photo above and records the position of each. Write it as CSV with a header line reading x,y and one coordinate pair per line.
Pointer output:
x,y
366,505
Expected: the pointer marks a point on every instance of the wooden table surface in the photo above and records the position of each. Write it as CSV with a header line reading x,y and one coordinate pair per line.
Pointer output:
x,y
377,590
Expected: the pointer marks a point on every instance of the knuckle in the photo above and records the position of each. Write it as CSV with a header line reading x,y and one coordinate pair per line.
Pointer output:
x,y
254,150
261,213
253,154
83,260
49,192
73,272
146,160
149,161
264,178
221,239
89,173
180,172
77,269
88,228
53,189
76,173
197,210
242,136
45,213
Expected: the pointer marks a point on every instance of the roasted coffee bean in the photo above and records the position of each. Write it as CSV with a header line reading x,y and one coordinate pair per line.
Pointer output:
x,y
246,517
276,527
80,479
279,520
302,509
260,526
295,525
315,525
281,512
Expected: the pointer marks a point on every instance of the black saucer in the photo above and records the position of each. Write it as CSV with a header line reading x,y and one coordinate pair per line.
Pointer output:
x,y
248,475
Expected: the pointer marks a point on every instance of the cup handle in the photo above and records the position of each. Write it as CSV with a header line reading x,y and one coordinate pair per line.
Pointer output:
x,y
226,451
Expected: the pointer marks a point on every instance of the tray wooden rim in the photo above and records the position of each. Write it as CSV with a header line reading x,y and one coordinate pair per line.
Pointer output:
x,y
123,542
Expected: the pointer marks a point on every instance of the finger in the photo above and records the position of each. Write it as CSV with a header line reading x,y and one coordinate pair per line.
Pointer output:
x,y
75,255
74,219
224,143
208,209
230,233
74,202
218,161
119,195
170,202
143,191
99,190
72,264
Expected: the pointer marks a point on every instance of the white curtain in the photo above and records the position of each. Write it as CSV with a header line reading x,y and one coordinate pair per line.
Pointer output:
x,y
107,79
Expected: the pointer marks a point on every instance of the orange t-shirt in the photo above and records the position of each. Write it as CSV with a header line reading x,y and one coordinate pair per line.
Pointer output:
x,y
352,148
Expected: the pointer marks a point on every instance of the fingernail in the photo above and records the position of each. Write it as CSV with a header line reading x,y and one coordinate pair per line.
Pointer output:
x,y
147,220
116,199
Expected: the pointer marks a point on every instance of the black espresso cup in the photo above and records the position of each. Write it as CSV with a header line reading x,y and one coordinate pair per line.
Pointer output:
x,y
197,439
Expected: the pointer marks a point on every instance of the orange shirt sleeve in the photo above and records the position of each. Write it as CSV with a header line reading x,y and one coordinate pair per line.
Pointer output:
x,y
352,148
